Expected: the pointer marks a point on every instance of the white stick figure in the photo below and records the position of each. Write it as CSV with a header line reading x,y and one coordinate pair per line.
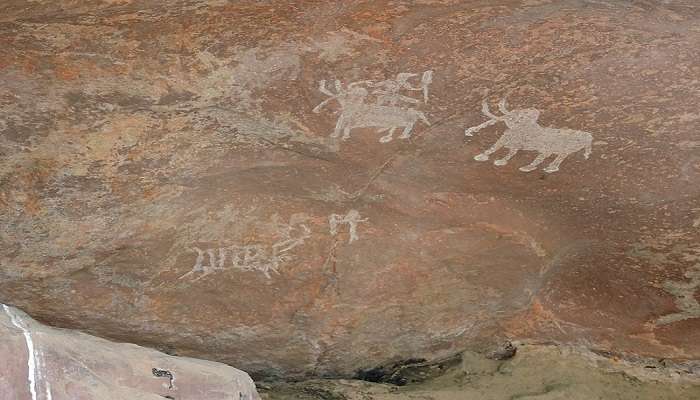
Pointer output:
x,y
352,218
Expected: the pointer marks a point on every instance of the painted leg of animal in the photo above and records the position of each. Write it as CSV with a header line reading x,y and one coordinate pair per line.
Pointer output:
x,y
338,126
407,130
496,146
389,136
346,131
554,165
533,165
504,160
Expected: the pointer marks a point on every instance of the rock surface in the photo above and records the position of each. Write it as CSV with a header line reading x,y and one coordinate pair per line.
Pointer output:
x,y
216,178
535,373
43,363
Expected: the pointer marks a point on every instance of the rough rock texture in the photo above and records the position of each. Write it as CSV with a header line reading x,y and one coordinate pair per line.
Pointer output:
x,y
535,373
43,363
190,175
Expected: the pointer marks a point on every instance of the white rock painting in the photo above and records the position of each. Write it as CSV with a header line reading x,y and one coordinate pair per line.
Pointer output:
x,y
385,105
251,257
684,297
351,219
35,358
523,132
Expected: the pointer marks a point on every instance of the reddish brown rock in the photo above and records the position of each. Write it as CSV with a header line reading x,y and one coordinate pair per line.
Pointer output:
x,y
171,176
42,363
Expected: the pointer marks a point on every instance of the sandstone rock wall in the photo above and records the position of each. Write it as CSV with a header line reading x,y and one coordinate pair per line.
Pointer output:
x,y
287,187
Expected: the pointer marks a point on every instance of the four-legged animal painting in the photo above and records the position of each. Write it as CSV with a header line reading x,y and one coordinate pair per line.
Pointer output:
x,y
369,104
523,132
388,105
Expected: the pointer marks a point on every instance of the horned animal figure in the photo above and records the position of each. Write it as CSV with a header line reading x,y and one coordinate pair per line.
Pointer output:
x,y
357,113
525,133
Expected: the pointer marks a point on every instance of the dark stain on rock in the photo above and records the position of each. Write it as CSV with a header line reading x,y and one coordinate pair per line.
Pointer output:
x,y
162,373
174,97
504,352
412,370
79,100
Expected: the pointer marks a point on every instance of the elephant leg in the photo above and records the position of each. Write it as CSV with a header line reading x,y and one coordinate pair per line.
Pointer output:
x,y
504,160
485,155
388,137
407,131
338,127
346,131
533,165
554,165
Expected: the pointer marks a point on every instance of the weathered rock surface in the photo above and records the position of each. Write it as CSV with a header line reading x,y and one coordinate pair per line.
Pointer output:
x,y
43,363
170,175
535,373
